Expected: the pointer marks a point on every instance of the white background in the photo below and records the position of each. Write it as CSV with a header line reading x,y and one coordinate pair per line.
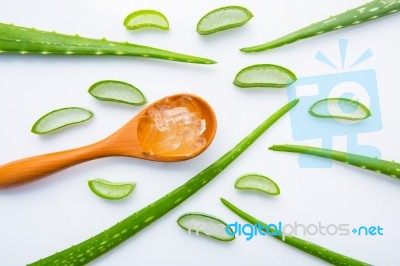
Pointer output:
x,y
54,213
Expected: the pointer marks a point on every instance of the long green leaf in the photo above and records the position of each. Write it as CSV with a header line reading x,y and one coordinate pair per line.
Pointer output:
x,y
389,168
369,11
29,40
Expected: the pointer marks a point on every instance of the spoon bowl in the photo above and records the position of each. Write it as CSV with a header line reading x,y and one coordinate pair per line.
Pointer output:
x,y
175,128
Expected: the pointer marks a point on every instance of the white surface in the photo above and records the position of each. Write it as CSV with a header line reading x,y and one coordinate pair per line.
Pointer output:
x,y
56,212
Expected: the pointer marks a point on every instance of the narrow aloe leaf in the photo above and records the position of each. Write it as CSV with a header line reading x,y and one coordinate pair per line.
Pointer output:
x,y
320,252
105,241
264,75
340,108
223,18
205,224
146,18
61,118
257,182
22,40
366,12
389,168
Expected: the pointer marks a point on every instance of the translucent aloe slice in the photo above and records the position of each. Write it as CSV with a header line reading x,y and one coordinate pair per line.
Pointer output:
x,y
339,108
110,190
264,75
257,182
205,224
117,91
146,18
60,118
222,19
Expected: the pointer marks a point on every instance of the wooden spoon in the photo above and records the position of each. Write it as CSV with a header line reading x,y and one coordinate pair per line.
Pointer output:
x,y
153,134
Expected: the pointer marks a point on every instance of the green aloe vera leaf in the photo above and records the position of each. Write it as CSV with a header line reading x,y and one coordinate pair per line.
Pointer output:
x,y
61,118
366,12
257,182
223,18
22,40
146,18
111,190
94,247
320,252
340,108
117,91
264,75
389,168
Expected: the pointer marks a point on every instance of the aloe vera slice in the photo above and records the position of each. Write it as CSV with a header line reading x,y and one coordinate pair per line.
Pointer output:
x,y
222,19
257,182
60,118
117,91
340,108
320,252
264,75
146,18
206,225
110,190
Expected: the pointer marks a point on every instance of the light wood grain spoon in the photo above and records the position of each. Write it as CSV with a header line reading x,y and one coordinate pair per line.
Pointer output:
x,y
142,137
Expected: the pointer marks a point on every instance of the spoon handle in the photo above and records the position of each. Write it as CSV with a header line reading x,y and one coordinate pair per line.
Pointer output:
x,y
32,168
